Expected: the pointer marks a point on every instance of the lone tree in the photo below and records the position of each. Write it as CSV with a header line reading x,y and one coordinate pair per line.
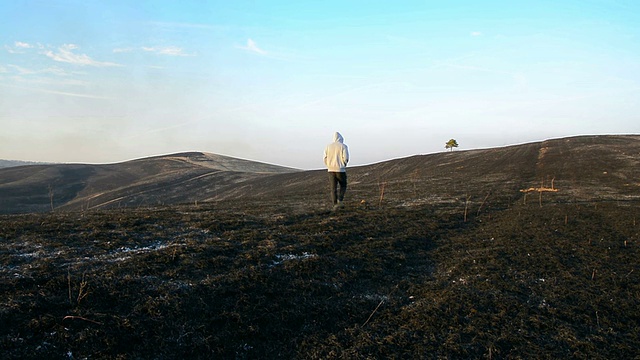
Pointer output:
x,y
451,144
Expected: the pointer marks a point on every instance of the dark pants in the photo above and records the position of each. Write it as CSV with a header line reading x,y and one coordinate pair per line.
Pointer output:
x,y
335,179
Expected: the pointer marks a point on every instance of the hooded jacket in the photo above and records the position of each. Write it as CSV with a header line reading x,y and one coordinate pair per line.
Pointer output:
x,y
336,154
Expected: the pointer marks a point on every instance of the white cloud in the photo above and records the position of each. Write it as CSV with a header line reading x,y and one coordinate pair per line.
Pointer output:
x,y
22,71
65,54
476,33
18,47
167,50
64,93
22,45
50,70
43,81
252,47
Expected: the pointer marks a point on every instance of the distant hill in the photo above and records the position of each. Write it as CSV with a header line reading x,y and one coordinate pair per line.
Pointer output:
x,y
576,169
12,163
169,179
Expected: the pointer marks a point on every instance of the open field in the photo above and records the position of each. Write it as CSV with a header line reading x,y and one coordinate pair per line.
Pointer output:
x,y
557,281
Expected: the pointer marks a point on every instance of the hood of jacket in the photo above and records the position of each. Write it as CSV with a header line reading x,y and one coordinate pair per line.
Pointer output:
x,y
337,137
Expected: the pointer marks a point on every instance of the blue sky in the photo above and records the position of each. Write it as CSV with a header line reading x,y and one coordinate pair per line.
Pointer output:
x,y
109,81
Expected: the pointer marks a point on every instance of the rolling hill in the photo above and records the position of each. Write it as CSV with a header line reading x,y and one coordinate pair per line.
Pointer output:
x,y
580,169
169,179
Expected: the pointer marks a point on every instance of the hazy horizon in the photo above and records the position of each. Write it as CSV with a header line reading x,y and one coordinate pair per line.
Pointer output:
x,y
106,82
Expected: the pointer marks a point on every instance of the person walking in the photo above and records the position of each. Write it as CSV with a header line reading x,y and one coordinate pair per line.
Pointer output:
x,y
336,157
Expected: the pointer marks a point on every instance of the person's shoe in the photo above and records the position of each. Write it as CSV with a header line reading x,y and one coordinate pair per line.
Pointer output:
x,y
335,207
340,204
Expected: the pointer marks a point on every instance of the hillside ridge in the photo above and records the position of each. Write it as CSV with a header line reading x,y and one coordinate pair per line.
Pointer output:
x,y
581,168
163,179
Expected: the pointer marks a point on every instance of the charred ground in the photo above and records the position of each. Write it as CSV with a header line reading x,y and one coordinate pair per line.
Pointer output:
x,y
413,267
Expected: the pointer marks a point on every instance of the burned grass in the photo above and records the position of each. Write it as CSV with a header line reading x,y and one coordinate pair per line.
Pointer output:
x,y
260,281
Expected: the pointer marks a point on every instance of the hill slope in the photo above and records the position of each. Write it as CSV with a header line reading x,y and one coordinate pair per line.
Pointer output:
x,y
170,179
579,168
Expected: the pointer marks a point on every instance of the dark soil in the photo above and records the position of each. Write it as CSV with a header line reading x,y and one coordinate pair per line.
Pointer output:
x,y
265,280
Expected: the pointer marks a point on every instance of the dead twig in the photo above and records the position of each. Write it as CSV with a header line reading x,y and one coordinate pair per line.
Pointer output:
x,y
69,285
540,189
83,291
482,203
73,317
374,311
379,304
381,186
466,207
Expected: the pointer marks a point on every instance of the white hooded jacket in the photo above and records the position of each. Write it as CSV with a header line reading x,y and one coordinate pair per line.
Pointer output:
x,y
336,154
